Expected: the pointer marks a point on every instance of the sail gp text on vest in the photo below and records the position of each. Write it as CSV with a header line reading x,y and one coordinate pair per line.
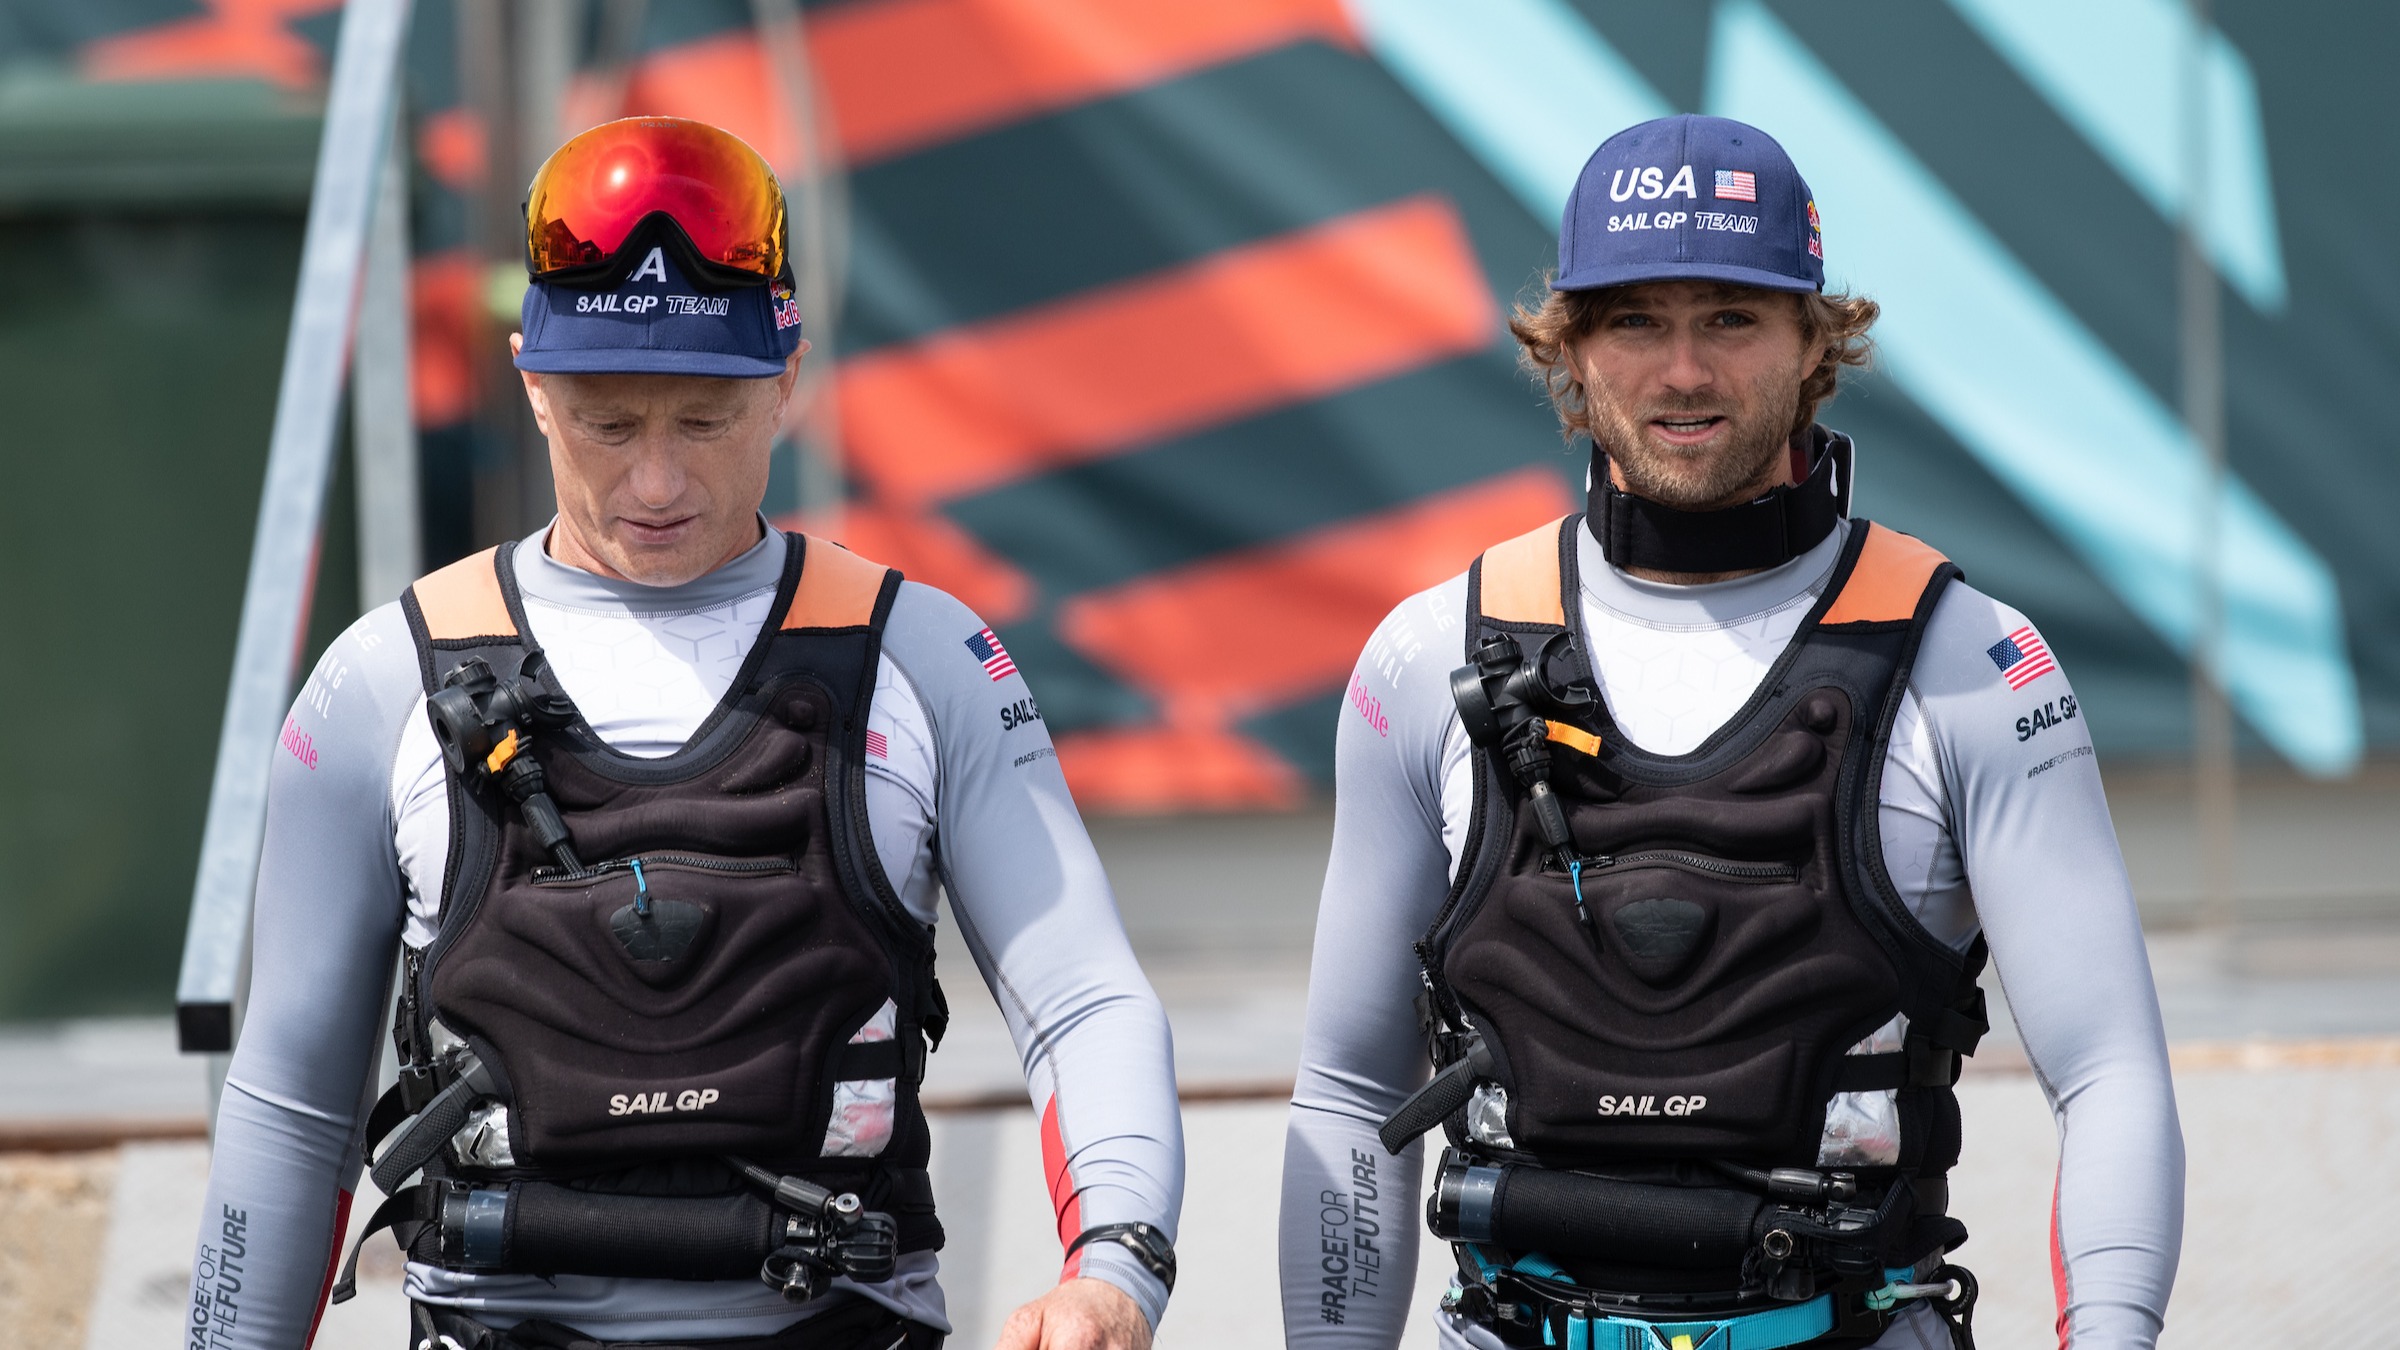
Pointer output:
x,y
1651,1106
690,1099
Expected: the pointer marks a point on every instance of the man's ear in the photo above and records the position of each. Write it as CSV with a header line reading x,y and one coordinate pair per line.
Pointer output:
x,y
789,378
534,393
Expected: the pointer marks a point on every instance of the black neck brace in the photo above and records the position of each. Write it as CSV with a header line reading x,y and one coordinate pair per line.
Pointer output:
x,y
1769,532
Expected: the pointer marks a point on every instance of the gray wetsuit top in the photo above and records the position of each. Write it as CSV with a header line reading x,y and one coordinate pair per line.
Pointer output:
x,y
964,796
1993,821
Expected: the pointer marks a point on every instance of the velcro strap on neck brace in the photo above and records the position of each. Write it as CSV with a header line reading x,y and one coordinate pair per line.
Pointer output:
x,y
1768,532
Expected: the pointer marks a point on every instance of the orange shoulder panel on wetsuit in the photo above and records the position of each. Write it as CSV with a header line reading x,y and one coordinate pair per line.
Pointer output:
x,y
1520,582
463,600
837,588
1887,581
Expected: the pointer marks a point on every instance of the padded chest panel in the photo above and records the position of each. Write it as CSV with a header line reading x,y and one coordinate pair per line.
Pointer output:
x,y
723,1008
1695,1001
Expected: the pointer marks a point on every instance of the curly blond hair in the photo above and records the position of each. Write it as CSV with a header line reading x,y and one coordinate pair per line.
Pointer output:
x,y
1548,332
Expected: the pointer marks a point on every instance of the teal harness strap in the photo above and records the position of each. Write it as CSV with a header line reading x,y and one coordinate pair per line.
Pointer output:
x,y
1773,1329
1769,1330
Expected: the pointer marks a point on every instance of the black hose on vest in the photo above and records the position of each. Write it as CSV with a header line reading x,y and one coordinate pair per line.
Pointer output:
x,y
484,723
544,1229
554,1229
538,1228
1570,1214
1502,700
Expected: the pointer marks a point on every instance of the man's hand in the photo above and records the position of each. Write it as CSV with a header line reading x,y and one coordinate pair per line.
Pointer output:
x,y
1082,1314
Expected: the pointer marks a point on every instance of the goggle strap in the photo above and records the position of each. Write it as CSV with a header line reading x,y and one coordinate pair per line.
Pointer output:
x,y
659,229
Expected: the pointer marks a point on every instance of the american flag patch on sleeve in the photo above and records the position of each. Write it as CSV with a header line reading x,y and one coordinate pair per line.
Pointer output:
x,y
2021,657
985,647
878,746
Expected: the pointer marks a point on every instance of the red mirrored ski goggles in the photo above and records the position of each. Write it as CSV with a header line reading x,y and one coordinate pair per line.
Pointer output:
x,y
603,199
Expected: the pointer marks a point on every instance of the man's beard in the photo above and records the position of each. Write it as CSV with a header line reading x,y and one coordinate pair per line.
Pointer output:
x,y
1705,478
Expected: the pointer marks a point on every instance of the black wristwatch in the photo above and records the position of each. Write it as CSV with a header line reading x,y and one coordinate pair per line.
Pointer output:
x,y
1148,1245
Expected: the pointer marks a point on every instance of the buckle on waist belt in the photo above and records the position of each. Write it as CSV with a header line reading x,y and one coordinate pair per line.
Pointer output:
x,y
1768,1330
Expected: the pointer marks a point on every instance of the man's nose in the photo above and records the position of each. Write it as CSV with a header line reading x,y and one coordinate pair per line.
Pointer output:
x,y
1687,370
657,476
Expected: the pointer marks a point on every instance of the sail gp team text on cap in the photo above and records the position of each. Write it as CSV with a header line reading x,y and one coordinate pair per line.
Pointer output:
x,y
659,321
1691,198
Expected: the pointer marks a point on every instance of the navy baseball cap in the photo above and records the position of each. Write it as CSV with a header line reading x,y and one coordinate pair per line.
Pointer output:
x,y
656,322
1690,198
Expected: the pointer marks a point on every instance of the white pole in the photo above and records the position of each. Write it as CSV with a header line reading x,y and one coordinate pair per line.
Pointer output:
x,y
383,432
291,508
819,194
2214,801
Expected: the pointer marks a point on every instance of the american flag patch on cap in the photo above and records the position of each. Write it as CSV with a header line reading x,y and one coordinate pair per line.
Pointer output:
x,y
2021,657
1734,185
986,648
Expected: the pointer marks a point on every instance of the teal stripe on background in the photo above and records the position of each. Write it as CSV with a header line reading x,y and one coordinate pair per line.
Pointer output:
x,y
1968,331
2114,70
1525,84
2045,406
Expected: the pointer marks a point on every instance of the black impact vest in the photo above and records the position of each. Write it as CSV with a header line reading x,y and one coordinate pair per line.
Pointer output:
x,y
1734,936
628,1071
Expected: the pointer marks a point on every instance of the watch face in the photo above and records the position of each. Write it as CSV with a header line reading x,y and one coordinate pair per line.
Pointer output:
x,y
1146,1242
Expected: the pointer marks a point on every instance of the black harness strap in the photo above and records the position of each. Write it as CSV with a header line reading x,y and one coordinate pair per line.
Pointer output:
x,y
432,1127
1440,1098
400,1213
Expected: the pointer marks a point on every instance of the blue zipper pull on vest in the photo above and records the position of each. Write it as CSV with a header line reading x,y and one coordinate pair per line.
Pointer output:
x,y
655,930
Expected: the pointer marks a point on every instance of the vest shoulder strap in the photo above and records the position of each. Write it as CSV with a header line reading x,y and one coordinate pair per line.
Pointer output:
x,y
1518,580
837,588
463,600
1887,582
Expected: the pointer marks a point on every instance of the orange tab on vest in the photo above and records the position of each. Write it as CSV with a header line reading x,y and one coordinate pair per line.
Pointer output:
x,y
1888,581
463,600
837,588
1574,738
1520,579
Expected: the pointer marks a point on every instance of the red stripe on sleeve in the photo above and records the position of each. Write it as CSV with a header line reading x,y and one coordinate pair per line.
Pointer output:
x,y
333,1262
2058,1268
1063,1196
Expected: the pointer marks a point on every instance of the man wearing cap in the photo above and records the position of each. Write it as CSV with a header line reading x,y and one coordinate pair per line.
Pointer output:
x,y
1687,828
652,809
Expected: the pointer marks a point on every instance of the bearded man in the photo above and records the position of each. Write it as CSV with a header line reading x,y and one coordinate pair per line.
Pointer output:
x,y
1691,823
